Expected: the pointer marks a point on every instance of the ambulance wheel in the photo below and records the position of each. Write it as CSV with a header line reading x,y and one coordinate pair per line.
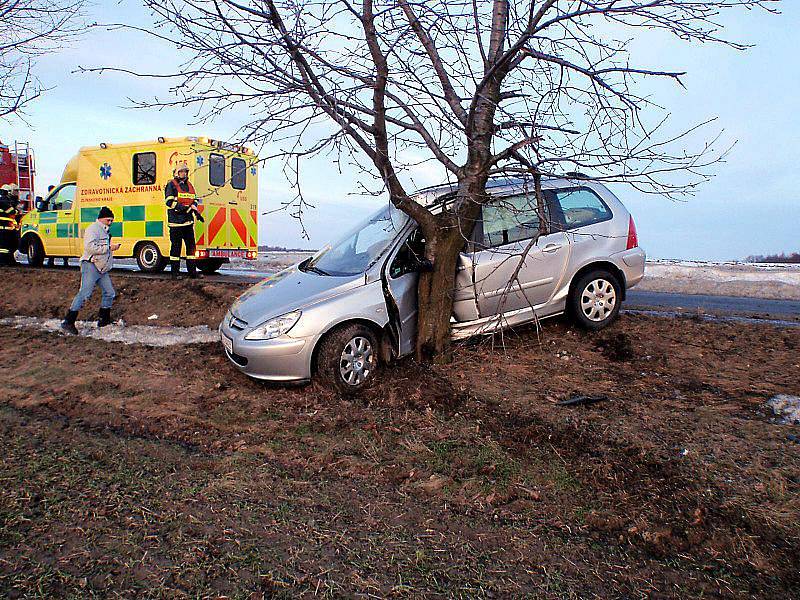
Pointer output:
x,y
149,258
35,252
209,266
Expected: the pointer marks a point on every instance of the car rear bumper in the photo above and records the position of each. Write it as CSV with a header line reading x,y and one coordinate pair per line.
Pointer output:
x,y
279,359
631,262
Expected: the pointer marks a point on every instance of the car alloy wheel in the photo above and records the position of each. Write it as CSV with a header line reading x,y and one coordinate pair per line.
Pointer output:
x,y
357,361
598,300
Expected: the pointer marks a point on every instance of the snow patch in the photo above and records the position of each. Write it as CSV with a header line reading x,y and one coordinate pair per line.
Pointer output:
x,y
267,262
786,408
722,273
147,335
723,279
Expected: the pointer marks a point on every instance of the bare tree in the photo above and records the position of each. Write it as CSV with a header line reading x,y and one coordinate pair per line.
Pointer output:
x,y
30,28
480,87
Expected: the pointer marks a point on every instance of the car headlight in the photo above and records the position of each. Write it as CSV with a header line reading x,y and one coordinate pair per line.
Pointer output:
x,y
274,327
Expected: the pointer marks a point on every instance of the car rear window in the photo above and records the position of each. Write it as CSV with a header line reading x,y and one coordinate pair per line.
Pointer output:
x,y
581,207
509,220
238,174
216,170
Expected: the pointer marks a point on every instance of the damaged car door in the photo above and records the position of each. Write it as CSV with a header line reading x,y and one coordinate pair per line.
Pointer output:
x,y
401,277
513,267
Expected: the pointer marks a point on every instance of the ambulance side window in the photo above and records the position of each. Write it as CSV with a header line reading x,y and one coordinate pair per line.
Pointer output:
x,y
216,169
238,174
144,168
63,197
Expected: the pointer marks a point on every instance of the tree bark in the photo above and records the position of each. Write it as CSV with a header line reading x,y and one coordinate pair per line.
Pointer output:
x,y
435,297
445,240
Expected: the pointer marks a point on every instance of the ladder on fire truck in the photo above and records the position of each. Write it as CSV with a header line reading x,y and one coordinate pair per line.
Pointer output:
x,y
26,169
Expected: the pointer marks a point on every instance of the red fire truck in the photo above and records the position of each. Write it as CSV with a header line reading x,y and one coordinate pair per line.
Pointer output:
x,y
17,165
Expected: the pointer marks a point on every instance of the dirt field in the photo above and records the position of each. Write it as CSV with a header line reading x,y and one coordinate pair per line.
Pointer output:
x,y
48,292
150,472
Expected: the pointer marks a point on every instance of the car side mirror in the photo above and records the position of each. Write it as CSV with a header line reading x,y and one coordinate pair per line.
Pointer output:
x,y
40,204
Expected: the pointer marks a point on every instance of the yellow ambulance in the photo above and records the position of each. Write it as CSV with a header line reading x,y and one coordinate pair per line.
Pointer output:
x,y
130,179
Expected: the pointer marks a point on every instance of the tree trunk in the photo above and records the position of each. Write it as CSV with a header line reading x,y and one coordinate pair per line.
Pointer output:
x,y
435,296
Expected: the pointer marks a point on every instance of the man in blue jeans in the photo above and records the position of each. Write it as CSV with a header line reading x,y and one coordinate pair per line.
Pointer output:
x,y
96,262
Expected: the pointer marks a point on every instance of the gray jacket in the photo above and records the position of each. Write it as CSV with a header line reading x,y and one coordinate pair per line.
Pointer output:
x,y
97,247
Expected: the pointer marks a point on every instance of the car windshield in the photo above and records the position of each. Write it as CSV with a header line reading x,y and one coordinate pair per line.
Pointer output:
x,y
360,248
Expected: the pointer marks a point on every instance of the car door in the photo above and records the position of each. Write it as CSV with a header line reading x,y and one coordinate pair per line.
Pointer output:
x,y
402,276
514,267
58,225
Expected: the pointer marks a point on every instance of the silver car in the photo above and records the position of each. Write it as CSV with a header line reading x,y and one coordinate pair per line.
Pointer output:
x,y
339,313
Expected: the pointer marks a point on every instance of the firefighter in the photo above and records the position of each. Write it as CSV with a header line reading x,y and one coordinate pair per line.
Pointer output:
x,y
181,216
9,229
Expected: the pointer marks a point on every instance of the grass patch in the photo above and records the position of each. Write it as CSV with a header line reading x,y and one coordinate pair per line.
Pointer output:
x,y
496,465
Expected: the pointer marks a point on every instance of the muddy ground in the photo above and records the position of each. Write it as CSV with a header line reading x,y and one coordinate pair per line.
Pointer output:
x,y
151,472
48,293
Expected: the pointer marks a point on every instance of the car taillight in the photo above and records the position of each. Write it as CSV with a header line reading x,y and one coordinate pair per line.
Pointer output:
x,y
633,240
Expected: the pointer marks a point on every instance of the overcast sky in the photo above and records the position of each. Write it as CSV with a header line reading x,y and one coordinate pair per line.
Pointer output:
x,y
751,207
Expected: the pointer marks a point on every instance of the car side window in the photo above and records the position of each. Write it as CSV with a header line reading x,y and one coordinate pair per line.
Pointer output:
x,y
409,256
63,197
581,207
511,219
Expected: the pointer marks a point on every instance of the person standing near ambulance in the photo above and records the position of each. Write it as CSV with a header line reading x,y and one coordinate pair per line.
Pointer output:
x,y
181,200
9,229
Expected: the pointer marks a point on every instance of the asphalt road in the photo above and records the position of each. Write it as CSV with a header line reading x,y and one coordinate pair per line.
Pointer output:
x,y
718,305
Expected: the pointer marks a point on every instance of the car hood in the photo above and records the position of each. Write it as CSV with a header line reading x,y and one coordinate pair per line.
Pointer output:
x,y
289,290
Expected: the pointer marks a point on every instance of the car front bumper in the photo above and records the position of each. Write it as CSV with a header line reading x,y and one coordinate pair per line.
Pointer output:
x,y
280,359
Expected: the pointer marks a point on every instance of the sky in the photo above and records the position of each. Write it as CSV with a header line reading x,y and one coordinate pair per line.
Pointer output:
x,y
751,206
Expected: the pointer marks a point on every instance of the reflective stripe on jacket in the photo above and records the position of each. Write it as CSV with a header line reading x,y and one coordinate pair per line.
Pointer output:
x,y
8,216
181,200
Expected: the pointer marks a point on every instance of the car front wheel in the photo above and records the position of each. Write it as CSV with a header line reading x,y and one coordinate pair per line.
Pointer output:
x,y
348,358
595,300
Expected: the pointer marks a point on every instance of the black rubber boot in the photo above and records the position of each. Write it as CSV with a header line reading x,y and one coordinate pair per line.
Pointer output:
x,y
68,324
104,317
175,269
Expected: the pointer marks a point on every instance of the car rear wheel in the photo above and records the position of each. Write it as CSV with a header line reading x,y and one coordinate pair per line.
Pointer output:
x,y
35,252
149,258
595,300
209,265
348,358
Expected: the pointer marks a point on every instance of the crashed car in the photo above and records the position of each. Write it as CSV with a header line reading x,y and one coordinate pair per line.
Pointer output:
x,y
337,314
